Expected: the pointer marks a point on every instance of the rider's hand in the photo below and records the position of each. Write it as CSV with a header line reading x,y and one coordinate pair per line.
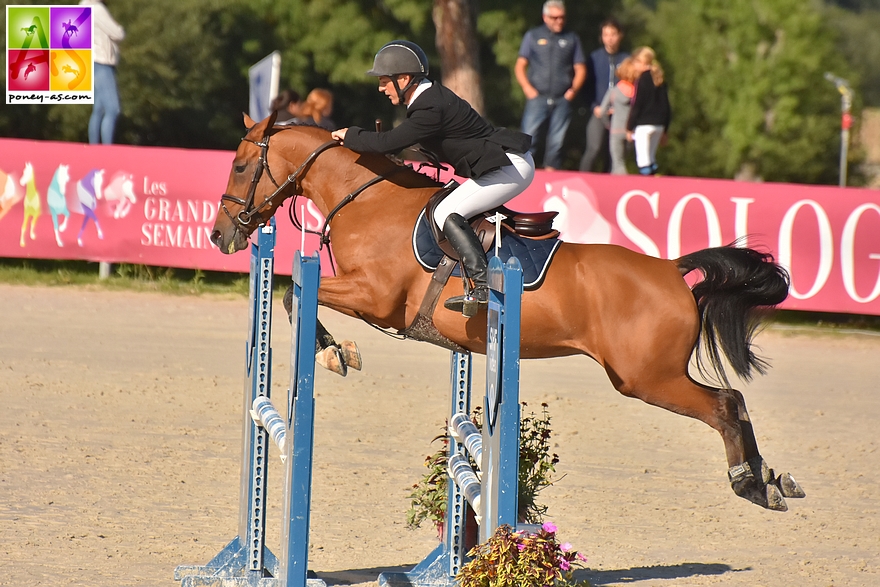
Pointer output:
x,y
339,135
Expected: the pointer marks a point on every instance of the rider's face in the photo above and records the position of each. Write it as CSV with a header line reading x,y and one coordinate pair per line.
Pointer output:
x,y
387,88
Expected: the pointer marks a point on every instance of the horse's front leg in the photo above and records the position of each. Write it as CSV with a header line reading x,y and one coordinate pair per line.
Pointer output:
x,y
333,356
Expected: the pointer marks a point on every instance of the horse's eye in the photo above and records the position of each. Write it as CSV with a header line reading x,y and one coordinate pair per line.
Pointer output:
x,y
240,168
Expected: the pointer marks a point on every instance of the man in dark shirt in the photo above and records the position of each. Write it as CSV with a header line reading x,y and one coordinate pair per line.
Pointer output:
x,y
551,69
601,77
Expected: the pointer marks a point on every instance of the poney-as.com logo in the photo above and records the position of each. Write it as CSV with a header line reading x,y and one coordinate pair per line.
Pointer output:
x,y
49,57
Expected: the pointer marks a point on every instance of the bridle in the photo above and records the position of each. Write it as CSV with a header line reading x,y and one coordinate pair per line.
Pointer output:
x,y
244,219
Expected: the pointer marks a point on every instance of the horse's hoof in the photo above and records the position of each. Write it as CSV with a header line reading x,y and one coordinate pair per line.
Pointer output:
x,y
351,354
789,487
775,501
331,359
759,489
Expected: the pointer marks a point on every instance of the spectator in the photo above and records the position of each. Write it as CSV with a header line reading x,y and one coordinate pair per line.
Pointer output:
x,y
317,109
650,114
287,104
551,69
601,77
107,35
617,102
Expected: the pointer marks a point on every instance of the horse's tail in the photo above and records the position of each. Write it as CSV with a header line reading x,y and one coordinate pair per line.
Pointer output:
x,y
738,286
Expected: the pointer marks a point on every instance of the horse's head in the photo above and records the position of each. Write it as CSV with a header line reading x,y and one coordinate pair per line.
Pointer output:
x,y
62,175
248,200
252,193
27,174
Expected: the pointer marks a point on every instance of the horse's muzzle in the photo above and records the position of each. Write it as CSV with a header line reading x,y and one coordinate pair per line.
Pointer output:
x,y
227,244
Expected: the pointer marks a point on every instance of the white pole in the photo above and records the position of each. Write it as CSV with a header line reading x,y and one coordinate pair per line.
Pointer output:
x,y
302,234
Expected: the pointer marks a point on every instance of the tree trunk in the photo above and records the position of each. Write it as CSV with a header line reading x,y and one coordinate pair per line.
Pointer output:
x,y
455,21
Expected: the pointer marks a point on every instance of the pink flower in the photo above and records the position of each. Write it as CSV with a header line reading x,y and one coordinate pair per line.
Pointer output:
x,y
549,527
520,547
564,564
581,557
565,546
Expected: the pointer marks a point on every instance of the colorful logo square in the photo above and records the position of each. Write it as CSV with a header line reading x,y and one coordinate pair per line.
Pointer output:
x,y
28,71
71,27
49,55
70,71
27,27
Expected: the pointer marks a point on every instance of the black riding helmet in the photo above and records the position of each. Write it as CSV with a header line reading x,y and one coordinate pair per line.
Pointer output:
x,y
400,57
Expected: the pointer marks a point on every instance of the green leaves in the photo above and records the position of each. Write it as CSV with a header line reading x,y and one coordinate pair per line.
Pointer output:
x,y
746,86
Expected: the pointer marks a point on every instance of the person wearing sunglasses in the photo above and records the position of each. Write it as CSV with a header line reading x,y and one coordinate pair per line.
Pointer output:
x,y
550,68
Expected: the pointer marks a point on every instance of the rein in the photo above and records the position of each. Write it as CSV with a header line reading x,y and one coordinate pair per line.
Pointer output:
x,y
245,218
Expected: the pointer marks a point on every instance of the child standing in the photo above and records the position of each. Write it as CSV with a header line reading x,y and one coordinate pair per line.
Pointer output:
x,y
650,113
617,101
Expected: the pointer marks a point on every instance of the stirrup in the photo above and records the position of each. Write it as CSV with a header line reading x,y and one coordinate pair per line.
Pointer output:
x,y
468,304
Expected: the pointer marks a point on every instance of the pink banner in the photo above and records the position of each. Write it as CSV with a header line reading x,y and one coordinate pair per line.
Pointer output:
x,y
156,206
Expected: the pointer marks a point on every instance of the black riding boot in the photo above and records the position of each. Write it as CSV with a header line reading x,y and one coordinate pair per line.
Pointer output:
x,y
462,238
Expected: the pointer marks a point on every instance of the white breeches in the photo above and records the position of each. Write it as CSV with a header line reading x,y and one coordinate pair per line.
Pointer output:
x,y
646,138
489,191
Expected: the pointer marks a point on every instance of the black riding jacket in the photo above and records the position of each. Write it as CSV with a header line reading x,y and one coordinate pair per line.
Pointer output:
x,y
446,125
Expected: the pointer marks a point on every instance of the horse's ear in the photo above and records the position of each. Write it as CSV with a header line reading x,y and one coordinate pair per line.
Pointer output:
x,y
271,122
248,121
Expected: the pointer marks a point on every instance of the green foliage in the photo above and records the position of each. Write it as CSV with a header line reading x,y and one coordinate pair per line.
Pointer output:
x,y
536,463
517,559
125,276
858,35
429,496
536,468
747,88
745,77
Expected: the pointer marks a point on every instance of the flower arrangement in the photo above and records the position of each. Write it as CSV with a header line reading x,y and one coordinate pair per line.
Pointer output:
x,y
518,559
536,467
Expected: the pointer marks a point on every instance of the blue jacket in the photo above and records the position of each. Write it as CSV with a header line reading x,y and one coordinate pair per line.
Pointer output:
x,y
601,74
551,59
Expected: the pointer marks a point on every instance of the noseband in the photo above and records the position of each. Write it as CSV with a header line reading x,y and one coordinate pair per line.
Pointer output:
x,y
244,219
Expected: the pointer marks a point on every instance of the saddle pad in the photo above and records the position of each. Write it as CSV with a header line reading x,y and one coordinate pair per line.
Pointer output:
x,y
533,255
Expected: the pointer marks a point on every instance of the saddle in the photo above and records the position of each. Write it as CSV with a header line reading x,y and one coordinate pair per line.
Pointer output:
x,y
533,225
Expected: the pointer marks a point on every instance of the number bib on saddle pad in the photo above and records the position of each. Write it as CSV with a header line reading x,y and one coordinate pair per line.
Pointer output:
x,y
534,255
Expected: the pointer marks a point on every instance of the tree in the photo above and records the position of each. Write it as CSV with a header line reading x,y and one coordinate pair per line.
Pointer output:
x,y
747,89
459,49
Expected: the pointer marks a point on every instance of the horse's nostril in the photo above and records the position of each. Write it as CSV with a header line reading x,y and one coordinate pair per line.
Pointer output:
x,y
215,237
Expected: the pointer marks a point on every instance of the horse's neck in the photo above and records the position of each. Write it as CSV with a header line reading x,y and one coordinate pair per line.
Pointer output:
x,y
31,187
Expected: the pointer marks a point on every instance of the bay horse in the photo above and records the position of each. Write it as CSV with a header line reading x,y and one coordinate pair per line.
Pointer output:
x,y
633,314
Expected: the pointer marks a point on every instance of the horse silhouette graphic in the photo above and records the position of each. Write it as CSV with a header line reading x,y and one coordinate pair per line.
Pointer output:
x,y
56,199
69,28
119,194
88,192
29,70
32,207
579,220
10,193
68,69
28,31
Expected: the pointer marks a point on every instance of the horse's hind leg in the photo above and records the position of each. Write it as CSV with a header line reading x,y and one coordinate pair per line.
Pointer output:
x,y
752,476
333,356
725,411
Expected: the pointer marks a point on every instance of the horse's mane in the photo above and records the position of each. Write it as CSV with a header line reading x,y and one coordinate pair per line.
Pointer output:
x,y
378,164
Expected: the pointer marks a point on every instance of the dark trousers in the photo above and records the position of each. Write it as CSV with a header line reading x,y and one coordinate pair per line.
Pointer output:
x,y
597,142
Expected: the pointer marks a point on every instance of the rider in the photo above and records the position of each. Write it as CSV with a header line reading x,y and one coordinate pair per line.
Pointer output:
x,y
496,161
